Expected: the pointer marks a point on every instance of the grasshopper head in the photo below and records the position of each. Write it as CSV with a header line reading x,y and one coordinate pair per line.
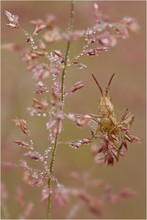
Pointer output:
x,y
105,104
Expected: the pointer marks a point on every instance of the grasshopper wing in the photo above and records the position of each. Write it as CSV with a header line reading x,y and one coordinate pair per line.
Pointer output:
x,y
93,124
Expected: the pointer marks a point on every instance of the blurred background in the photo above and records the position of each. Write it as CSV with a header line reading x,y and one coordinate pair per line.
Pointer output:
x,y
127,60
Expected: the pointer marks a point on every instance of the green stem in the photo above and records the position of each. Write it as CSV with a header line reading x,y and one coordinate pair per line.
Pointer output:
x,y
70,28
51,171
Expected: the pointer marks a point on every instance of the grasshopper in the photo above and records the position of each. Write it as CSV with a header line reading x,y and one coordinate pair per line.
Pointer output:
x,y
105,122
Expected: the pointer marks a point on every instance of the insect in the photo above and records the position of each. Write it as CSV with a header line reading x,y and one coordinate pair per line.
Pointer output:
x,y
105,121
113,134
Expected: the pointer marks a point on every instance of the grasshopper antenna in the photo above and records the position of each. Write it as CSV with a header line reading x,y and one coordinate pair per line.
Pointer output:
x,y
108,87
97,84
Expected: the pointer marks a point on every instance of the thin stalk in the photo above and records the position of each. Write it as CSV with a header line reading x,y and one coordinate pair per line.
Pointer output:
x,y
51,171
70,28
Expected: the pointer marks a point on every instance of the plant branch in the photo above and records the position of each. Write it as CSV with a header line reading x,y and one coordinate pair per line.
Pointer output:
x,y
70,28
